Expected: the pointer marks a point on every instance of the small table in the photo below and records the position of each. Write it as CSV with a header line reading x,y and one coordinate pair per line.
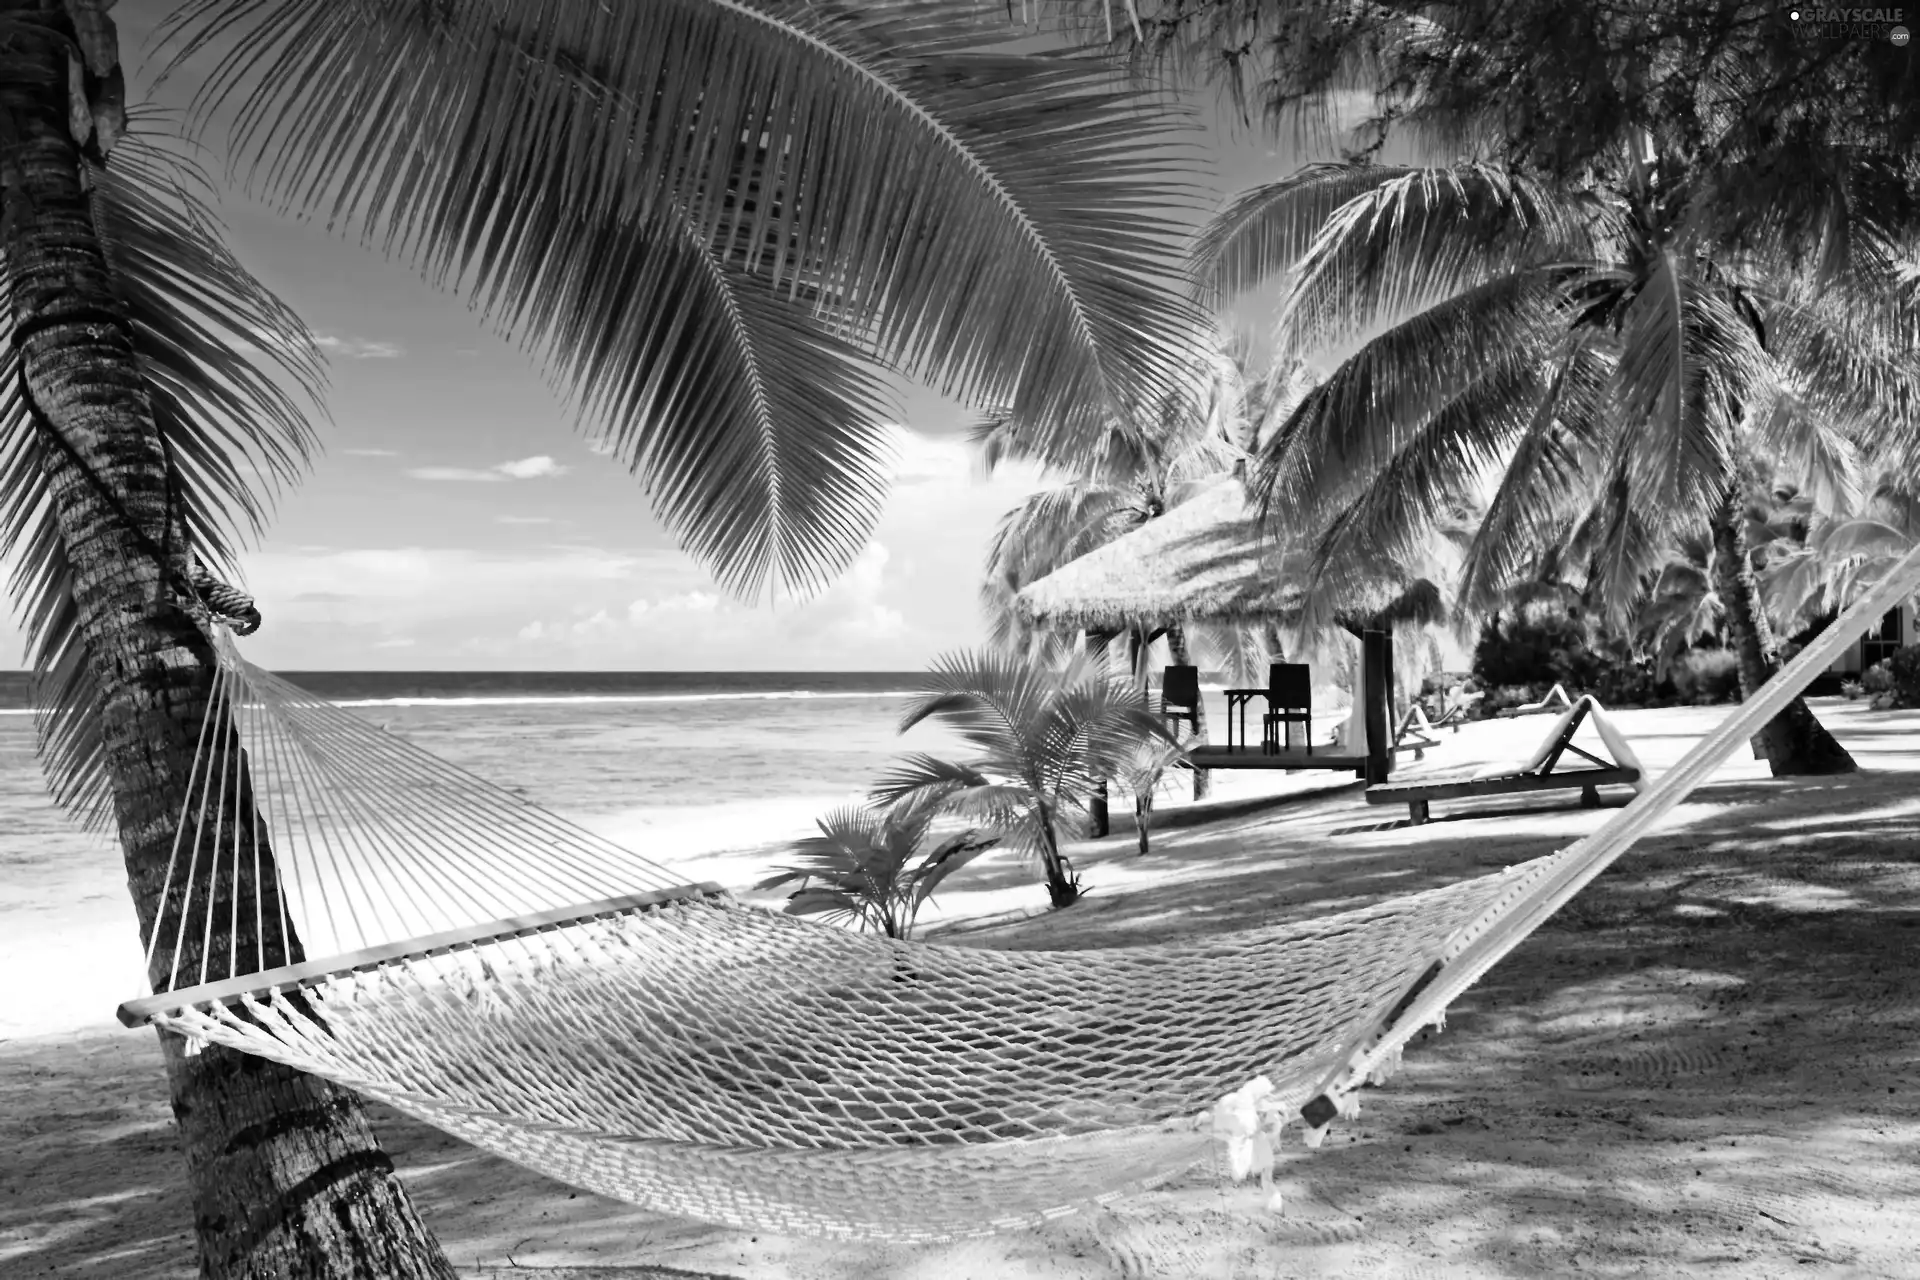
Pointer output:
x,y
1237,700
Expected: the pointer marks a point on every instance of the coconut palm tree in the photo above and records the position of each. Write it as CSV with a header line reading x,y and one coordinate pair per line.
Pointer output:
x,y
1610,354
1048,735
717,223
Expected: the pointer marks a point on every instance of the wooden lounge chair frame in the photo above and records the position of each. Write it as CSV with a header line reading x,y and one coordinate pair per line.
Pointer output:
x,y
1556,699
1415,733
1541,773
1453,711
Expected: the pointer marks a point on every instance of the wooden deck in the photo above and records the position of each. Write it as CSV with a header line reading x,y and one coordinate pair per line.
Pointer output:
x,y
1294,758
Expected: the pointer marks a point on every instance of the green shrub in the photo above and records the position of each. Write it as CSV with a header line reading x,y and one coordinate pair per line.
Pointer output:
x,y
1542,648
1519,659
1903,672
1707,675
1877,678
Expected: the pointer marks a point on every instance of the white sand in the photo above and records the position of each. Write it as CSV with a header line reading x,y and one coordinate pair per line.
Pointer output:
x,y
1705,1066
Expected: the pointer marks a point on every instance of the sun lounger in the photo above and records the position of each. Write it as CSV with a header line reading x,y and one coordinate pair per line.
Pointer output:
x,y
1453,713
1556,700
1415,733
1541,773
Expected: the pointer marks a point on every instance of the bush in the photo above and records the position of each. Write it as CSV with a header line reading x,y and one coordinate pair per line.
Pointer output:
x,y
1502,696
1545,646
1704,676
1903,673
1632,684
1877,678
1539,647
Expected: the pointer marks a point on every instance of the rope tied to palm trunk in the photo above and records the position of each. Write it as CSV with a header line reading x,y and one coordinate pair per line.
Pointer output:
x,y
200,591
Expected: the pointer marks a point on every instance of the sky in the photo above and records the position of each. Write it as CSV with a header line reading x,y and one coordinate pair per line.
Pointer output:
x,y
458,519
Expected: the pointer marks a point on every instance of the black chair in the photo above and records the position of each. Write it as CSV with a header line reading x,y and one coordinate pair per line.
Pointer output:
x,y
1180,695
1289,702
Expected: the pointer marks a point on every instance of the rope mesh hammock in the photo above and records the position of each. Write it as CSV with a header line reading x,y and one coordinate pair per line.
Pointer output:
x,y
524,985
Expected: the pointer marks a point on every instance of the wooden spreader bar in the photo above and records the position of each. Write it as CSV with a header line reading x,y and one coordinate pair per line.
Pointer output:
x,y
293,977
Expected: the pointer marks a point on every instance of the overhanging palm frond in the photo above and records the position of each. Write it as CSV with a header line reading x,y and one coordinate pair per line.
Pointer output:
x,y
1425,236
1847,370
1451,453
1545,481
994,223
1688,367
228,367
1265,232
1355,420
1820,456
775,463
1818,209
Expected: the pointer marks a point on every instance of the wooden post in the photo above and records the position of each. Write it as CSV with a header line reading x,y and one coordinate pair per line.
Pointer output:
x,y
1098,821
1376,681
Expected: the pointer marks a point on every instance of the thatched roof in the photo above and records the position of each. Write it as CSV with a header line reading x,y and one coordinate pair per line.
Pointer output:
x,y
1205,559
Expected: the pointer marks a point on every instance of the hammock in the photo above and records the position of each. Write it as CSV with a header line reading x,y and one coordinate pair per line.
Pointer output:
x,y
527,986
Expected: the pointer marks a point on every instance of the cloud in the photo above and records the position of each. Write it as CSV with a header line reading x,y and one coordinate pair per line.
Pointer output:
x,y
690,625
948,462
357,348
370,453
528,468
524,469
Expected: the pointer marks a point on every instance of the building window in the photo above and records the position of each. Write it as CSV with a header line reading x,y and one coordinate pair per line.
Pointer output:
x,y
1882,643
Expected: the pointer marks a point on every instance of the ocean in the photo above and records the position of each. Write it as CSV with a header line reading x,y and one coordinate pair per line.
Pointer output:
x,y
721,759
714,773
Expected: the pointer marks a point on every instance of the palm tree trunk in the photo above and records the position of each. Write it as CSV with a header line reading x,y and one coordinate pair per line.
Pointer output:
x,y
287,1179
1063,888
1177,650
1099,820
1794,742
1143,817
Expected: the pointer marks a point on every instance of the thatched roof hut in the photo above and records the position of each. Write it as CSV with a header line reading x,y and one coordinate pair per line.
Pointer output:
x,y
1205,559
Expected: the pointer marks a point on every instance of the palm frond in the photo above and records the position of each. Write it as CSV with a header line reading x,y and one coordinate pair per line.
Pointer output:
x,y
1688,366
1811,208
995,223
1358,417
229,370
1403,497
1544,483
1857,378
1426,236
1265,232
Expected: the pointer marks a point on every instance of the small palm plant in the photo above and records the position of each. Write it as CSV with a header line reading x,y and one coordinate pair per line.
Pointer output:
x,y
1143,775
875,866
1048,734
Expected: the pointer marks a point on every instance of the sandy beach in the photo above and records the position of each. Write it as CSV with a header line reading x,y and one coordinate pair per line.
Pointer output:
x,y
1708,1065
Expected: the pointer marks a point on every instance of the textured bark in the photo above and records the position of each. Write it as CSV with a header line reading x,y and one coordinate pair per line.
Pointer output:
x,y
1177,650
287,1180
1099,818
1143,818
1794,742
1063,885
